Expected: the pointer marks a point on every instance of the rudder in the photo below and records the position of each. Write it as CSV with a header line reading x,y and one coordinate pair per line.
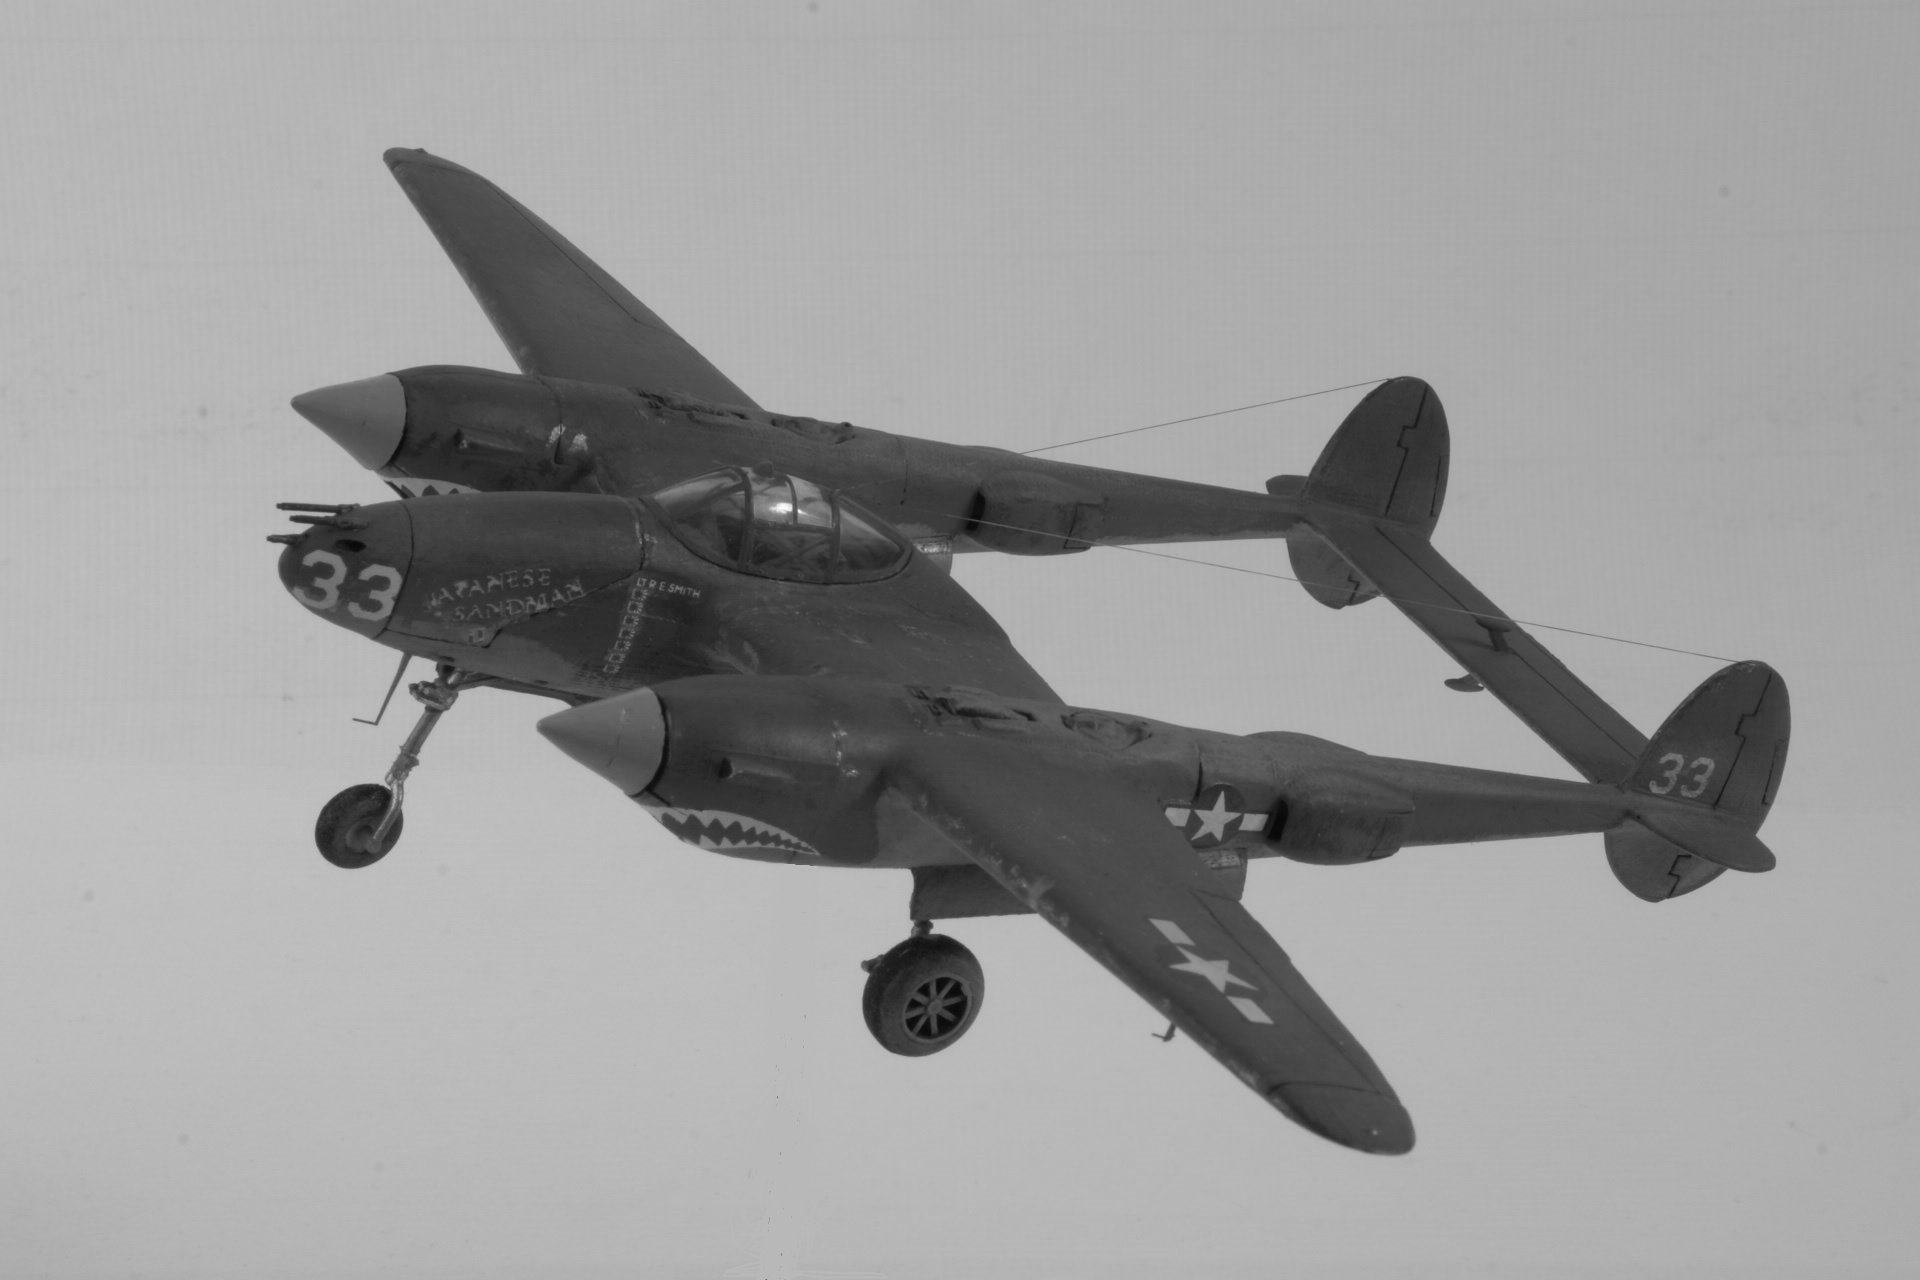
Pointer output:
x,y
1725,746
1705,782
1386,461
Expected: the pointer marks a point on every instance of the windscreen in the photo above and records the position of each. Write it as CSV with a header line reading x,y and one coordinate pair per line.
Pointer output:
x,y
773,525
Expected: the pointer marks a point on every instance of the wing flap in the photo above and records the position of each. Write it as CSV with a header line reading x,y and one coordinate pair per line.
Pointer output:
x,y
1099,863
557,311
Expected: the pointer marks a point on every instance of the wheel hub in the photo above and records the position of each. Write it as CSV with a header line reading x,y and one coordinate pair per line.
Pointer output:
x,y
936,1007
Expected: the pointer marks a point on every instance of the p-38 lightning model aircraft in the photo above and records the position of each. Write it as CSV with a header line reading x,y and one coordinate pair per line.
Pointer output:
x,y
754,622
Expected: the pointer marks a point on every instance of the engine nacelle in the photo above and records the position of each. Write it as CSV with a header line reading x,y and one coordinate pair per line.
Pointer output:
x,y
799,769
771,769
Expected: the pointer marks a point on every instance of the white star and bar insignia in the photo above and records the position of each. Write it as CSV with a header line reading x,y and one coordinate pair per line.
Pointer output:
x,y
1217,972
1216,815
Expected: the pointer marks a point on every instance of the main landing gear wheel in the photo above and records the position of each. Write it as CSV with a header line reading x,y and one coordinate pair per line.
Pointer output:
x,y
922,995
348,832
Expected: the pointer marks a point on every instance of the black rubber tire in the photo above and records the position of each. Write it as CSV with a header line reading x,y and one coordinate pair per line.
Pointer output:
x,y
923,995
347,823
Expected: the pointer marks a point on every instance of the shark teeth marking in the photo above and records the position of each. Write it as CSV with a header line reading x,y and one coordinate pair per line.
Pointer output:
x,y
413,487
721,832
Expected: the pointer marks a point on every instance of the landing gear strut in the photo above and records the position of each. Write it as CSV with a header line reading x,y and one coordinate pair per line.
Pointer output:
x,y
922,995
358,826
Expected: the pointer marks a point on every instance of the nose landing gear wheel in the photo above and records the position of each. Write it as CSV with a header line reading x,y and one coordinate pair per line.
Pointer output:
x,y
922,995
359,826
348,832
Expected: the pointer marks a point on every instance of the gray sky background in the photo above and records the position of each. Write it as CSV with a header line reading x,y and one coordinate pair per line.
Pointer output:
x,y
1659,260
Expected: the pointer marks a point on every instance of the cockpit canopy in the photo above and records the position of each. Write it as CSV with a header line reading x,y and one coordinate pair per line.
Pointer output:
x,y
779,526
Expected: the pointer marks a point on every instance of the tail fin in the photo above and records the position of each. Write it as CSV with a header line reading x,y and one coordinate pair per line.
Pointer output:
x,y
1704,784
1387,461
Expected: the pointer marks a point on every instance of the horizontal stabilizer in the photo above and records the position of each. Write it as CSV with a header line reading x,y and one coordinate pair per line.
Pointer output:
x,y
1513,665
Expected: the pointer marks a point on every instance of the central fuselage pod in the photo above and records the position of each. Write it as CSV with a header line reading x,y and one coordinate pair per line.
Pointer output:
x,y
583,595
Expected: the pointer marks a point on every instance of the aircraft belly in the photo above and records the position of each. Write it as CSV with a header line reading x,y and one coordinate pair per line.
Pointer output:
x,y
908,841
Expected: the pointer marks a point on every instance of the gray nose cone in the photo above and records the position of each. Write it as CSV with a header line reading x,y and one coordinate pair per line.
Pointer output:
x,y
621,738
365,418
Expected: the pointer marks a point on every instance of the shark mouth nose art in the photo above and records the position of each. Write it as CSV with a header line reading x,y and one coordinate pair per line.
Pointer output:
x,y
719,831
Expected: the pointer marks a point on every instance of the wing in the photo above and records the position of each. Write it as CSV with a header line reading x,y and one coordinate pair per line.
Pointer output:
x,y
1100,864
919,628
557,311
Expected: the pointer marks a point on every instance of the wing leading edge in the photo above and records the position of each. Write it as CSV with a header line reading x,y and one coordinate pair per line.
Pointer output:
x,y
558,313
1100,864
